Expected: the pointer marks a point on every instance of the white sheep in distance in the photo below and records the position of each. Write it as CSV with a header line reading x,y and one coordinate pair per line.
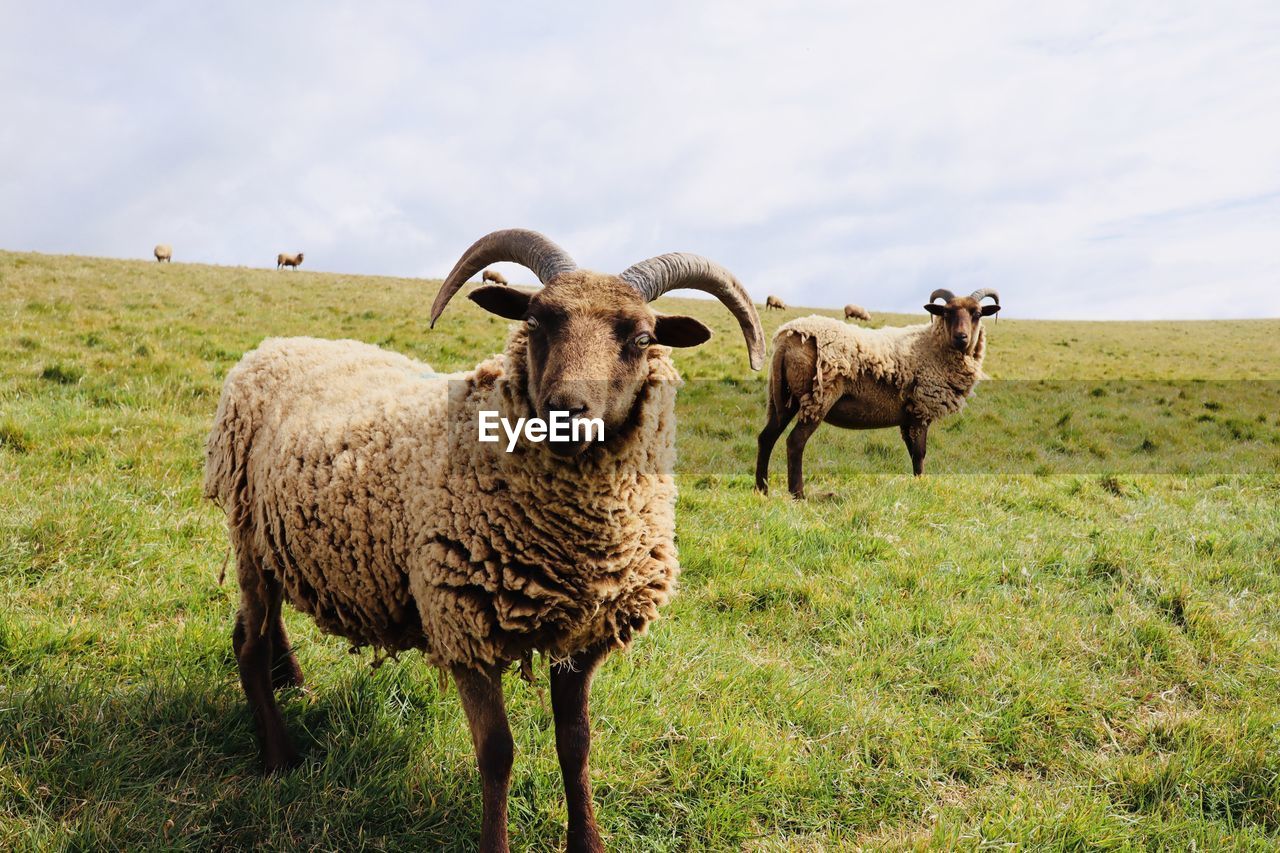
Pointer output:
x,y
284,260
857,312
164,252
355,488
774,303
859,378
493,276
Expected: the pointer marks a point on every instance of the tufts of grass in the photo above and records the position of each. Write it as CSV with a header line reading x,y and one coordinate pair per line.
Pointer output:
x,y
62,374
14,437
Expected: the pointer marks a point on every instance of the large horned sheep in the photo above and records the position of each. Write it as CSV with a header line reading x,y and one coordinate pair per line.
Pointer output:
x,y
283,260
858,378
774,303
857,312
356,489
164,252
493,276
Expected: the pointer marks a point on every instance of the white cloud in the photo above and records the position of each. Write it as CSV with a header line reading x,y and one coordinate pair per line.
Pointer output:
x,y
824,151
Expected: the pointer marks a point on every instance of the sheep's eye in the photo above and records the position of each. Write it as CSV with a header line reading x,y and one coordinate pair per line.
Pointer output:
x,y
643,340
531,323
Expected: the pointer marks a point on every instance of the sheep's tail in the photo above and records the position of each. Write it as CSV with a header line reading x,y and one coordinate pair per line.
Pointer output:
x,y
779,392
226,479
811,403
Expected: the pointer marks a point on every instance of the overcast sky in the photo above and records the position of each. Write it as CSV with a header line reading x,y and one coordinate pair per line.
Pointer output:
x,y
1108,160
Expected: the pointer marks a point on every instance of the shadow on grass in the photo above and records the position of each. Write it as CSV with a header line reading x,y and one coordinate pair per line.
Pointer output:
x,y
175,764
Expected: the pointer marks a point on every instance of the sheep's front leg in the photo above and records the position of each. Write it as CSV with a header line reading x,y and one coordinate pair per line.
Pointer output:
x,y
570,693
795,456
481,693
915,435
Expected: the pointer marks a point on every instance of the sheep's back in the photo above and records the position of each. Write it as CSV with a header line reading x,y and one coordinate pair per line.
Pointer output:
x,y
901,360
319,496
847,357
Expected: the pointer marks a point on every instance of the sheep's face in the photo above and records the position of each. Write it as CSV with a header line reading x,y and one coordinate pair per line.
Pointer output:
x,y
961,317
588,351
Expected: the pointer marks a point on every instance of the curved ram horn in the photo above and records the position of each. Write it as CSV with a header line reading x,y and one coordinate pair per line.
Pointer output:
x,y
943,293
983,293
516,245
675,270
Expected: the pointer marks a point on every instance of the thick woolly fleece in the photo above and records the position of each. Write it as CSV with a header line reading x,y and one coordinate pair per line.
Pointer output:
x,y
932,378
353,477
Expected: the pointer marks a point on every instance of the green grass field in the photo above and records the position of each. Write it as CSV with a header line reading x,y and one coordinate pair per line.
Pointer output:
x,y
1074,645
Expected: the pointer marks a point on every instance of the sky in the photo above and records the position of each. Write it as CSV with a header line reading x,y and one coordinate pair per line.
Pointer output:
x,y
1089,160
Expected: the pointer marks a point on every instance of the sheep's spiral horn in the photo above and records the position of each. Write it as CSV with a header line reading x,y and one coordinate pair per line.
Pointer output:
x,y
675,270
983,293
516,245
942,293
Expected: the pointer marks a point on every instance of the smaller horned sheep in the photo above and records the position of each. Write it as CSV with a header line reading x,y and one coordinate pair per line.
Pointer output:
x,y
164,252
283,260
493,276
857,312
775,303
859,378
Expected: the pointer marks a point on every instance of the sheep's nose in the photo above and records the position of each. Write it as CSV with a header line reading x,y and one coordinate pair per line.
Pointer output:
x,y
962,340
567,402
576,406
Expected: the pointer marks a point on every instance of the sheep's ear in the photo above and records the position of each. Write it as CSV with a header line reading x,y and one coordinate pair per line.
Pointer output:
x,y
503,301
935,309
676,331
988,310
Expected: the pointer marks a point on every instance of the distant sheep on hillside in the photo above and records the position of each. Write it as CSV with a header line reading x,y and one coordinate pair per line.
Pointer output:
x,y
857,312
283,260
775,303
493,276
164,252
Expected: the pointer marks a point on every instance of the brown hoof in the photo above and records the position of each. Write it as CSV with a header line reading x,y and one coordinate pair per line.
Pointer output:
x,y
286,676
587,841
281,763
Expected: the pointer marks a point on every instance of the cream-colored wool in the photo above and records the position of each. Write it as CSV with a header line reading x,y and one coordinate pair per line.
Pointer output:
x,y
354,476
931,377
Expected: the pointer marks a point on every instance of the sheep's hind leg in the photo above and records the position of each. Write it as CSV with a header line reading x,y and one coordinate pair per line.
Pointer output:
x,y
570,694
778,420
481,693
915,436
252,641
285,671
795,455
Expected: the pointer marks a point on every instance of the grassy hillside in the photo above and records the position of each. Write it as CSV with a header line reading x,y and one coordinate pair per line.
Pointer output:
x,y
1066,634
